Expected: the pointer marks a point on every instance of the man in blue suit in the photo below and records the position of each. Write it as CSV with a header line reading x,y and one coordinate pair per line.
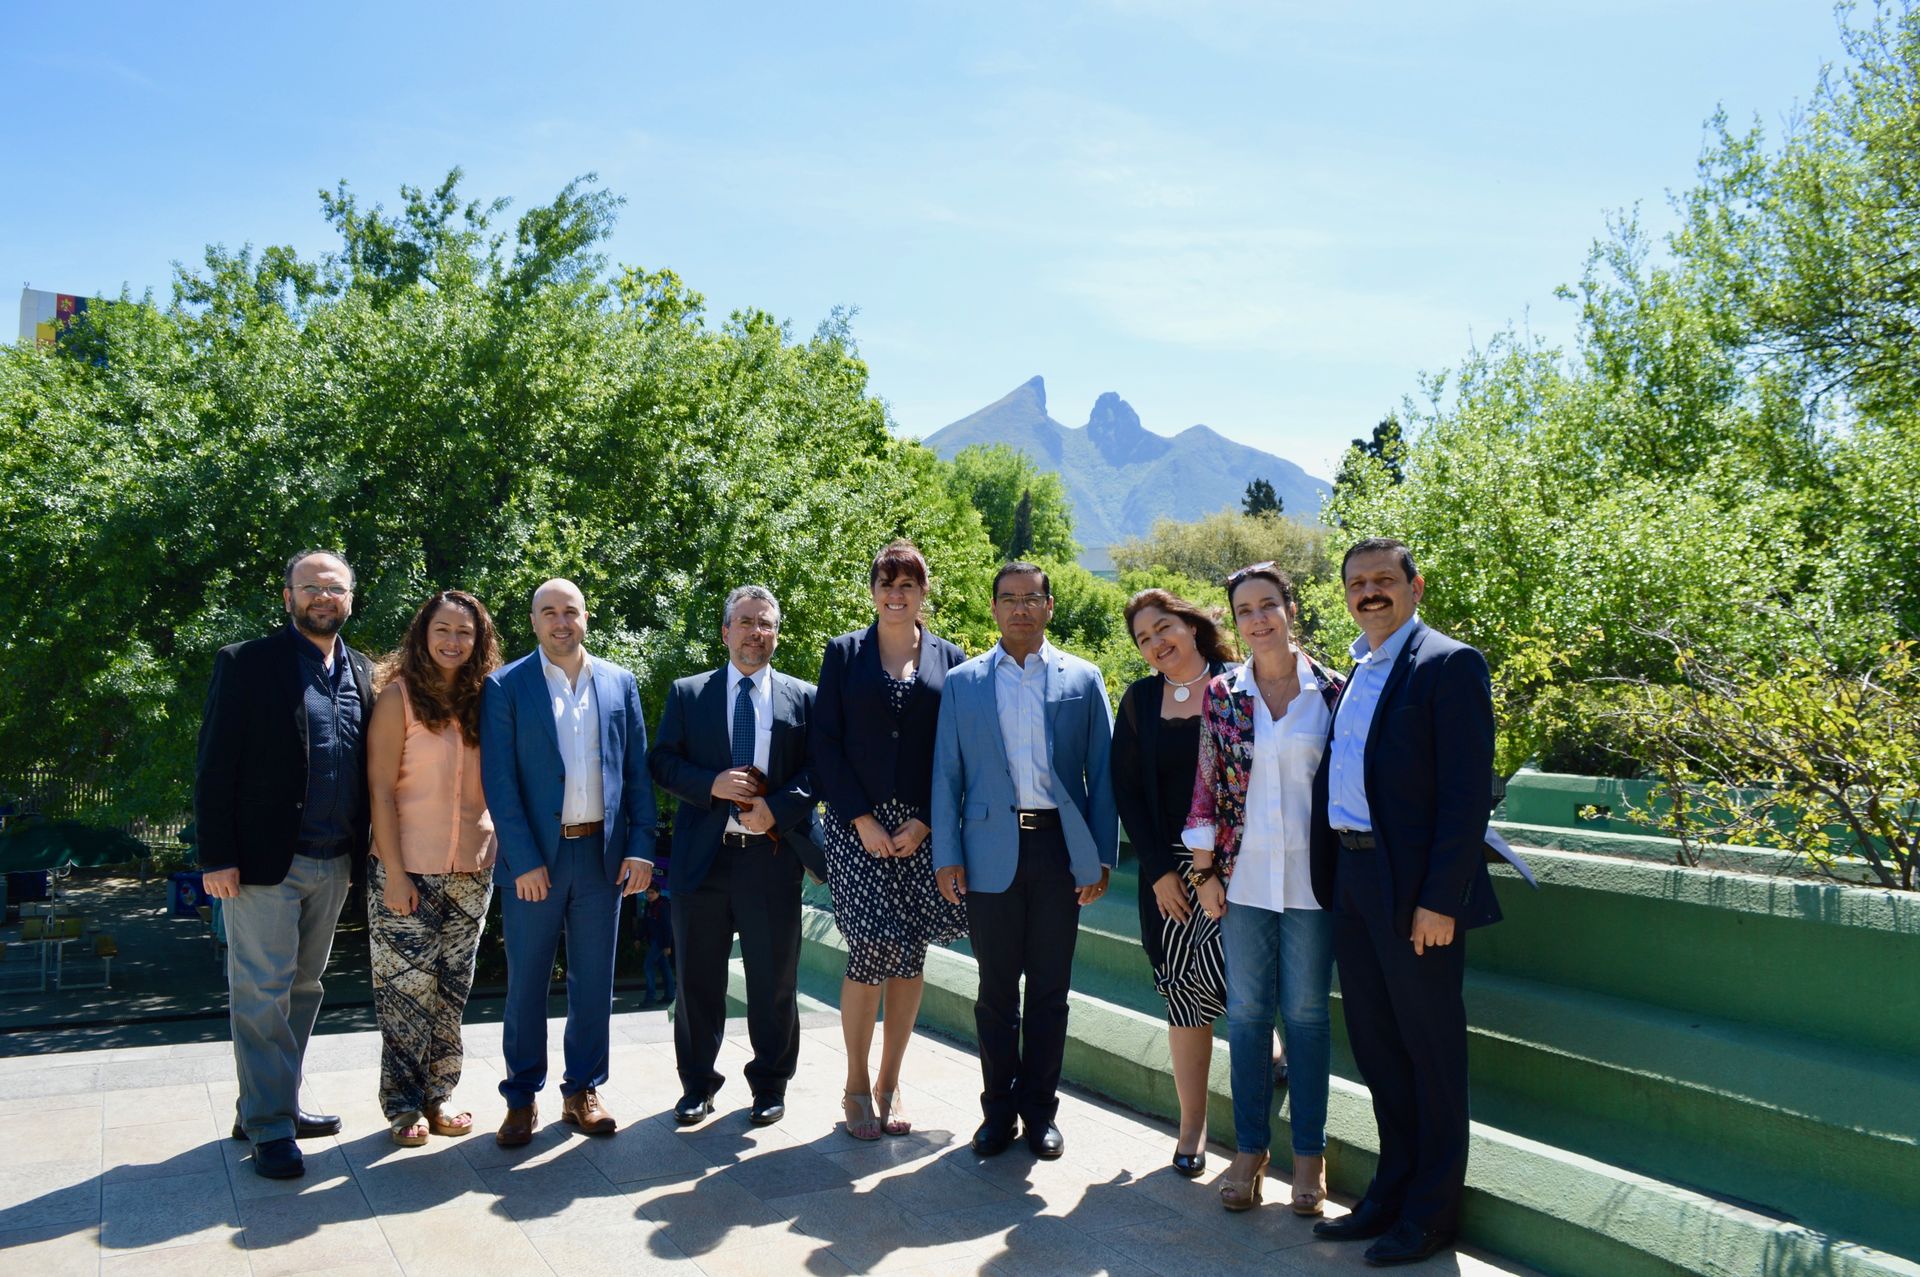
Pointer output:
x,y
733,748
563,757
1399,843
1025,831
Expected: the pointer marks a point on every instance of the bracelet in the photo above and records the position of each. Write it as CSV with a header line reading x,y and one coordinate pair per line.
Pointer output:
x,y
1198,875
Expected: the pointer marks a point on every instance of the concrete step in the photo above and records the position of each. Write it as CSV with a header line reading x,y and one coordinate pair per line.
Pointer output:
x,y
1528,1198
1804,1128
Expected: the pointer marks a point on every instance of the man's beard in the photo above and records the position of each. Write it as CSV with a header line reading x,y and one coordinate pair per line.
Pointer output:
x,y
323,626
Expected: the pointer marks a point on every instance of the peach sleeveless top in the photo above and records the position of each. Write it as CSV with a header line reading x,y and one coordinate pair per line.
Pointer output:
x,y
444,825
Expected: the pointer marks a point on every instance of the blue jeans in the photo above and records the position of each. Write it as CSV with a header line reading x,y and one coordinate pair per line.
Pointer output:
x,y
1279,964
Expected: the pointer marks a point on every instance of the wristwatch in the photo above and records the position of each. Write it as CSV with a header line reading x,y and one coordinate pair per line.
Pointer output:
x,y
1197,876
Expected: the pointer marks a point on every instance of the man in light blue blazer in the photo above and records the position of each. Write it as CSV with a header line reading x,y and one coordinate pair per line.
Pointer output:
x,y
1025,832
563,758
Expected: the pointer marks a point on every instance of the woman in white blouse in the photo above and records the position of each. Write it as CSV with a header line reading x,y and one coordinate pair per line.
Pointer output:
x,y
1264,730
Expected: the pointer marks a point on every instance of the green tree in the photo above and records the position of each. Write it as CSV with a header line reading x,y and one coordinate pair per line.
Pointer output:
x,y
1020,545
1261,499
993,478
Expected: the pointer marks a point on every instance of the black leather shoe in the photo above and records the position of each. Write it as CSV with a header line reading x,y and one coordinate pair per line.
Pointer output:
x,y
1192,1165
991,1140
691,1109
767,1109
1407,1243
1368,1219
1047,1143
306,1126
278,1159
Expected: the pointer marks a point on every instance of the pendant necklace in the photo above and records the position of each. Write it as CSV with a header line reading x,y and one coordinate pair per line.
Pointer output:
x,y
1180,692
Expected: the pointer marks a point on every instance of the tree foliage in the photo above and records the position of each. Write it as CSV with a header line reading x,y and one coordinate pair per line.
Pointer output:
x,y
999,481
1261,499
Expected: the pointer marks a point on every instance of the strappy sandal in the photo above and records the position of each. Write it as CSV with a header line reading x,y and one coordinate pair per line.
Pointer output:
x,y
441,1124
409,1130
860,1116
1245,1194
1310,1201
890,1121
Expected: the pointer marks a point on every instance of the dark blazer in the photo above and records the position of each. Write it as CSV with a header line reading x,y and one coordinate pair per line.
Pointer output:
x,y
1136,773
862,754
1429,777
526,779
250,776
692,747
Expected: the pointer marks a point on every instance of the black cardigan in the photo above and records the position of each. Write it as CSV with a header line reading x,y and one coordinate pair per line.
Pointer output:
x,y
1136,791
862,755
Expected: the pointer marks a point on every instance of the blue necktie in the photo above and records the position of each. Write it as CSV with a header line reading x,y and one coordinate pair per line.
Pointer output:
x,y
743,725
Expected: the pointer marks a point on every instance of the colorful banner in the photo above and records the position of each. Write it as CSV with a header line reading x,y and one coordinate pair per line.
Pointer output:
x,y
43,314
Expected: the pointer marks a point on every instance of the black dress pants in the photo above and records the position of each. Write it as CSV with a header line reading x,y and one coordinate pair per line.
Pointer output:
x,y
755,892
1407,1024
1027,930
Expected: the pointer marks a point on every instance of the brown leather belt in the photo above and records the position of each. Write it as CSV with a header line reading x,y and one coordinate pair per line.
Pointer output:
x,y
1352,841
1038,818
585,829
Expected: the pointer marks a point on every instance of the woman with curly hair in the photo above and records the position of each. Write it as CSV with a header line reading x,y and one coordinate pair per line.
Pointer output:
x,y
430,876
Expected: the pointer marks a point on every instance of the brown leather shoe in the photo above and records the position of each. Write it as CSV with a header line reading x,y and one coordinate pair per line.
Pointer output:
x,y
584,1110
517,1129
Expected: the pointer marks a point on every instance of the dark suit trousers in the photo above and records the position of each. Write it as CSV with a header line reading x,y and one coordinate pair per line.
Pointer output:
x,y
1029,929
1407,1024
754,891
584,906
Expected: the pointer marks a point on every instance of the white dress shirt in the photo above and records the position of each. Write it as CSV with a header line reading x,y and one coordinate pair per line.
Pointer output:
x,y
1020,694
1271,870
761,698
576,721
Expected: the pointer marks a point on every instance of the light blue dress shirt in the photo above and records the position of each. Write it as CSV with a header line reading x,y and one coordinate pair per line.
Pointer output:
x,y
1347,768
1020,694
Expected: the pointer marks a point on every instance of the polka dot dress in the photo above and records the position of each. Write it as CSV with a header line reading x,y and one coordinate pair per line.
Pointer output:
x,y
887,908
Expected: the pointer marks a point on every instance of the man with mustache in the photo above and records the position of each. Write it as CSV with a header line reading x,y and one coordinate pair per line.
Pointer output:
x,y
563,746
1399,839
280,808
733,748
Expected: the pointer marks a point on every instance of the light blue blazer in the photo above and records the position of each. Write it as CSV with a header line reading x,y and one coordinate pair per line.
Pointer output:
x,y
526,781
973,794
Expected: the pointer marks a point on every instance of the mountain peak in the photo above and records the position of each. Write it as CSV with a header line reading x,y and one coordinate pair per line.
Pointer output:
x,y
1115,429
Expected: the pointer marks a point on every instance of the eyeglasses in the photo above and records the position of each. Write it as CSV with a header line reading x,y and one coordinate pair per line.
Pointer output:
x,y
330,591
1021,602
758,624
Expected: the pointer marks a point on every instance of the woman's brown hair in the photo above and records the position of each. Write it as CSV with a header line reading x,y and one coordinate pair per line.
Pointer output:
x,y
1207,634
435,702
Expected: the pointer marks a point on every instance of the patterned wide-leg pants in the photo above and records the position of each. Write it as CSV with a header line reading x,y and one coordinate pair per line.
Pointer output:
x,y
422,974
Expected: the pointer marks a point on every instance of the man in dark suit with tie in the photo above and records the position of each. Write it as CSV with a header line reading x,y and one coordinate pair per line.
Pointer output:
x,y
563,745
1399,840
732,747
280,806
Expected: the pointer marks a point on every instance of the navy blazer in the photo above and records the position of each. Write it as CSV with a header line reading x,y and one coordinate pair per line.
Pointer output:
x,y
250,773
693,746
862,754
1429,778
526,780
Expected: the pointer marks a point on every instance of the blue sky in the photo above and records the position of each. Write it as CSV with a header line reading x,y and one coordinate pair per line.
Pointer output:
x,y
1266,217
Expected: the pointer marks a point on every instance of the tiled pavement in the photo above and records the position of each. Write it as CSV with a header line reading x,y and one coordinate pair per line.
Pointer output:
x,y
116,1162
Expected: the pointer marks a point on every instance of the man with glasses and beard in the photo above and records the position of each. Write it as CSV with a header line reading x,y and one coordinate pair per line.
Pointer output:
x,y
280,805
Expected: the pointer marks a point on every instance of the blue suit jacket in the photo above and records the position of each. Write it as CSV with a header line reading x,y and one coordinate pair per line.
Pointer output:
x,y
1429,777
525,779
693,746
973,793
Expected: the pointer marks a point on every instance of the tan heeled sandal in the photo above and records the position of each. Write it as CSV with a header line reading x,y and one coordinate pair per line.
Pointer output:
x,y
1313,1200
440,1122
409,1130
892,1121
861,1122
1245,1194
